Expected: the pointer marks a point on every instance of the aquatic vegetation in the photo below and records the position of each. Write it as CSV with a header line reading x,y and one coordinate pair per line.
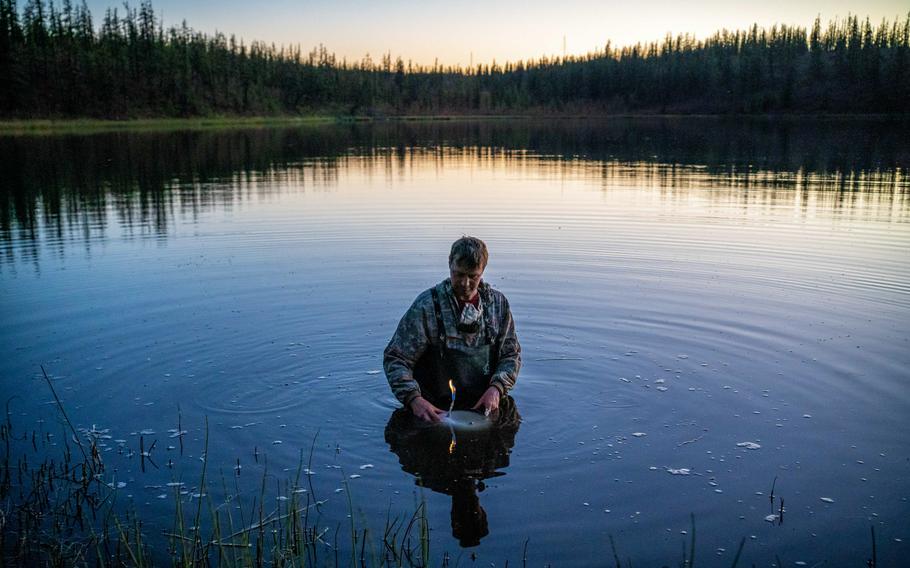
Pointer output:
x,y
64,511
68,509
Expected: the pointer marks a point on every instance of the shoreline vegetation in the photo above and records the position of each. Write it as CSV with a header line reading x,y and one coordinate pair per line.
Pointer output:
x,y
38,126
55,62
59,507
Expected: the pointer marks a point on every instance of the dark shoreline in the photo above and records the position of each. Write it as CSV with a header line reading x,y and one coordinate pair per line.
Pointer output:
x,y
91,125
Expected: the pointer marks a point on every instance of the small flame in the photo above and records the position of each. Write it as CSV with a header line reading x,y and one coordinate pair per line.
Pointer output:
x,y
452,445
452,388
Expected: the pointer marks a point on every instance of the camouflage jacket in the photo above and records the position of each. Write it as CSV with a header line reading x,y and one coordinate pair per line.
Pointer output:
x,y
417,331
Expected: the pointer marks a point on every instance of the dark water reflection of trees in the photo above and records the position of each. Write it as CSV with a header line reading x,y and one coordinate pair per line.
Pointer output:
x,y
66,187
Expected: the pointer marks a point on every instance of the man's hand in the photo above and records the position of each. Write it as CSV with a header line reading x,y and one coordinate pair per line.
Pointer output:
x,y
423,409
489,402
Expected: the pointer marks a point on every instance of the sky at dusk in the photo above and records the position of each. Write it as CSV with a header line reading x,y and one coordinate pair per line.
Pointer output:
x,y
457,32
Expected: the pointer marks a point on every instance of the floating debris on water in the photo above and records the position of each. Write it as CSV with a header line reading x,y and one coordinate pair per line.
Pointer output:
x,y
94,432
339,490
807,416
653,468
367,466
177,433
827,499
625,380
374,372
682,356
680,471
639,434
147,432
749,445
355,476
771,518
175,484
662,389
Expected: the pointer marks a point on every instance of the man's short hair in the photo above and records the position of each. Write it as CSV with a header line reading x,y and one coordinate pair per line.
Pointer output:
x,y
469,252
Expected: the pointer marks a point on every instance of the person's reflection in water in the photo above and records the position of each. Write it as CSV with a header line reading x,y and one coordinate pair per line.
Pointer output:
x,y
456,466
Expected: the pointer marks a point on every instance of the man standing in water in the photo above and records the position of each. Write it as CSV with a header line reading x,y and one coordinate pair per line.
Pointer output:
x,y
459,330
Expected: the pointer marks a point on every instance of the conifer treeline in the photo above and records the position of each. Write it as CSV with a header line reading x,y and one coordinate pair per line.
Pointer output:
x,y
55,62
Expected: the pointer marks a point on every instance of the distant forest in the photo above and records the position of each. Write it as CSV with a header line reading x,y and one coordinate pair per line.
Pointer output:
x,y
55,62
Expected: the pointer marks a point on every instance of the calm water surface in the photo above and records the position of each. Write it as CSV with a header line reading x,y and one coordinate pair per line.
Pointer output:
x,y
680,287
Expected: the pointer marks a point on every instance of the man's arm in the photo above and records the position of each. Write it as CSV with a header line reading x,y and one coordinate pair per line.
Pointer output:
x,y
506,372
404,349
411,339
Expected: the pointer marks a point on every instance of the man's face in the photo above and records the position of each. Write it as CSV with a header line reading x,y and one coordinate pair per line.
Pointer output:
x,y
465,281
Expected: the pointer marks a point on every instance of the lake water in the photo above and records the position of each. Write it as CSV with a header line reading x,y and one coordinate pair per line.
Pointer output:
x,y
724,298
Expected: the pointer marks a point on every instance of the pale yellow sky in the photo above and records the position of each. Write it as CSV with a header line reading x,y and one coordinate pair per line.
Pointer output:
x,y
506,30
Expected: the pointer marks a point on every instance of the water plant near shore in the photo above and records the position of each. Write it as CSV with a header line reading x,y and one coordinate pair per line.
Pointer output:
x,y
65,510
